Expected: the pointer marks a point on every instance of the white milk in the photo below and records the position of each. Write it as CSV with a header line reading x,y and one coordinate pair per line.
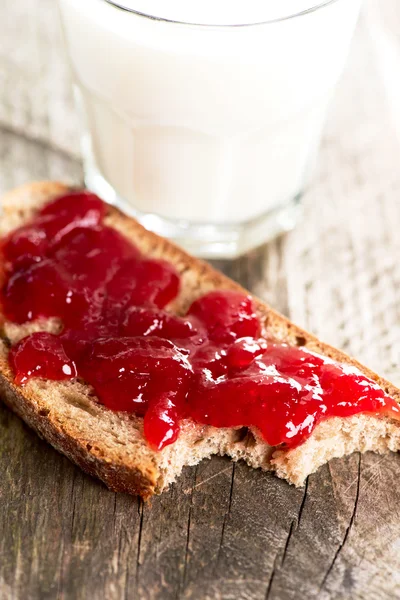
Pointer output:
x,y
206,124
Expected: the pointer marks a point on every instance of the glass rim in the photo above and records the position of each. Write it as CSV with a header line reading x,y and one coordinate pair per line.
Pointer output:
x,y
319,5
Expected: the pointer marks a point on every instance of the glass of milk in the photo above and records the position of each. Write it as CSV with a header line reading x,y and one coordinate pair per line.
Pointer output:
x,y
202,117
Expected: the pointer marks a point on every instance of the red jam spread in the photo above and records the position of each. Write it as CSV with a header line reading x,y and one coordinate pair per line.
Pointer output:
x,y
210,365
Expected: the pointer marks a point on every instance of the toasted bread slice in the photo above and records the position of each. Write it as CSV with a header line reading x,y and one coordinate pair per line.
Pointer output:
x,y
111,446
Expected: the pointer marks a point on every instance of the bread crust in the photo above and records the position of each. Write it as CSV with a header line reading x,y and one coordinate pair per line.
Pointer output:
x,y
117,477
144,473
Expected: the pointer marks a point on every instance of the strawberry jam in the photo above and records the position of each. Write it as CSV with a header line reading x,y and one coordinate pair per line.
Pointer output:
x,y
211,365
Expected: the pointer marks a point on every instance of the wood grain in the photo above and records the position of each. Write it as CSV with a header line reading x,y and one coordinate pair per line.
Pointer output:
x,y
223,531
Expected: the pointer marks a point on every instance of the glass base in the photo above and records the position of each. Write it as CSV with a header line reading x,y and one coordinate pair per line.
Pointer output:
x,y
206,240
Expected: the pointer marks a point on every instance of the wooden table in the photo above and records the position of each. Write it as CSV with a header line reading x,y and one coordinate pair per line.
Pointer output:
x,y
224,530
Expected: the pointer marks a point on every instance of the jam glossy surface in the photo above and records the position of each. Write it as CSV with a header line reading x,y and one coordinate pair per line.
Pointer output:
x,y
211,364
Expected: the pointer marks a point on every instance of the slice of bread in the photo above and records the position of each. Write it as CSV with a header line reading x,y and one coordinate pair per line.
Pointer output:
x,y
111,445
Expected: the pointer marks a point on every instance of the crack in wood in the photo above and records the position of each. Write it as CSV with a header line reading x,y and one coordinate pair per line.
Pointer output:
x,y
115,505
231,489
271,577
348,529
303,501
227,513
73,516
188,535
294,524
141,519
187,546
73,501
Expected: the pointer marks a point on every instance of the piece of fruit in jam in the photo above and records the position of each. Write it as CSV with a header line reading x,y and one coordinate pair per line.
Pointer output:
x,y
93,255
31,242
243,352
44,289
140,374
143,320
210,365
41,355
161,420
148,282
227,315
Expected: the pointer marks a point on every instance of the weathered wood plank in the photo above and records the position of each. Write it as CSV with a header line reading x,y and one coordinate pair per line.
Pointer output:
x,y
23,160
36,97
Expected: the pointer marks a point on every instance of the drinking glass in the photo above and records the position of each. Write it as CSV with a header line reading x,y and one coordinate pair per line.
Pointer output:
x,y
204,129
